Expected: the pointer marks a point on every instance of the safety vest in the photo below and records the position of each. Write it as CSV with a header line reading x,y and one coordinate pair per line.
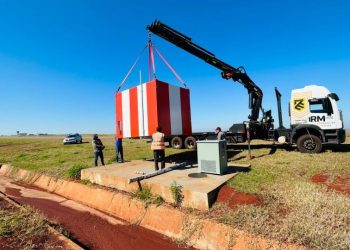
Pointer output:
x,y
157,141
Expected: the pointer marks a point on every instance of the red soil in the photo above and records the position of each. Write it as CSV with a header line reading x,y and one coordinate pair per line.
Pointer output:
x,y
95,232
13,191
340,184
234,198
4,204
48,241
319,178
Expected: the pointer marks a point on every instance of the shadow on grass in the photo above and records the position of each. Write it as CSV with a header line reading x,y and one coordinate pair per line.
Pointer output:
x,y
232,151
259,146
236,149
273,148
338,148
187,156
70,144
237,169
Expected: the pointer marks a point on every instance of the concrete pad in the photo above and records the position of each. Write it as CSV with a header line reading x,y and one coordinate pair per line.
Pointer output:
x,y
199,193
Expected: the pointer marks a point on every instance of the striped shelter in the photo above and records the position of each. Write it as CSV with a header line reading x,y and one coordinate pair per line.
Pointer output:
x,y
141,109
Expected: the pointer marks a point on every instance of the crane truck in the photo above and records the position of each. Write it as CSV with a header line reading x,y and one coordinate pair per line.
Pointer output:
x,y
315,119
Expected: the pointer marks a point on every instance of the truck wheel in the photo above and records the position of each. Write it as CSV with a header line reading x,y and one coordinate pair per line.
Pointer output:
x,y
176,142
190,143
309,144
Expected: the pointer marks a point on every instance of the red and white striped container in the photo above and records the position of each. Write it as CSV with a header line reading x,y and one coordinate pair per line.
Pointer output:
x,y
141,109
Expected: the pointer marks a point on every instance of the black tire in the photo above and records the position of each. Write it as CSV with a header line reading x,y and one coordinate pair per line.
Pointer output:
x,y
190,142
176,142
309,144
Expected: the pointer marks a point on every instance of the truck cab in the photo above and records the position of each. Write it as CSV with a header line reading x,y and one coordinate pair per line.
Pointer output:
x,y
315,118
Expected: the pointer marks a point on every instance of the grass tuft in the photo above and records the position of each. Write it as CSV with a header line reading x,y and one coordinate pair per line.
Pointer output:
x,y
111,160
75,171
176,193
158,200
147,197
85,182
21,226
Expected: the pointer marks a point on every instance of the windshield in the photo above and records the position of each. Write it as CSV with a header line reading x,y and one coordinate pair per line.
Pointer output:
x,y
71,136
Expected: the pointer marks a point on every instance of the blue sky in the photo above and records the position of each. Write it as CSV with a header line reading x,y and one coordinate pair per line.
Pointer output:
x,y
61,61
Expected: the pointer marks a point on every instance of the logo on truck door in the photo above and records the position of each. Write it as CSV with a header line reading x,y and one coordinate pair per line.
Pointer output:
x,y
299,104
317,118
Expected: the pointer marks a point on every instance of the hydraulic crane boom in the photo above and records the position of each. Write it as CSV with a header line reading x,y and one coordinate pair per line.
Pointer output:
x,y
228,71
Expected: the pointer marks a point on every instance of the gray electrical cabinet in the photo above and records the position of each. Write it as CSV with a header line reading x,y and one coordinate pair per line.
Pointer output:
x,y
212,156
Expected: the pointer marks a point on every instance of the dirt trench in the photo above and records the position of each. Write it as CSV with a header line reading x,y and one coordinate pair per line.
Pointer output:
x,y
11,241
88,229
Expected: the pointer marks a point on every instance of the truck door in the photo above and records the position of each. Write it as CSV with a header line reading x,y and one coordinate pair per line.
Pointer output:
x,y
321,113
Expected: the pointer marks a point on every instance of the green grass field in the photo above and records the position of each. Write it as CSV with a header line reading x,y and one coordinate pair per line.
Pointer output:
x,y
294,209
47,154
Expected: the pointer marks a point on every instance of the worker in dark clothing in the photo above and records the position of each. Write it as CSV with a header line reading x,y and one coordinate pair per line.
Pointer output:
x,y
158,148
219,134
119,150
98,149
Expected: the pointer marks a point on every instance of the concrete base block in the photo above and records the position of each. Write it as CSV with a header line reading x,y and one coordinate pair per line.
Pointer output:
x,y
198,193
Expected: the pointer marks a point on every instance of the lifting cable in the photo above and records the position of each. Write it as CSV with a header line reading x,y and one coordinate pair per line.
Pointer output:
x,y
151,64
131,69
171,68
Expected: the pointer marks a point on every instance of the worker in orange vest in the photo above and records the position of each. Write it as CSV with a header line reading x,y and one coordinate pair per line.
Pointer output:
x,y
158,148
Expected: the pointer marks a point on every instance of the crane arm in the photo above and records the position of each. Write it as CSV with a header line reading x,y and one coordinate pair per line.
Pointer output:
x,y
228,72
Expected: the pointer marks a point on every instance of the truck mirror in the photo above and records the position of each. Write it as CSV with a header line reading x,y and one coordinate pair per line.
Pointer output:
x,y
334,96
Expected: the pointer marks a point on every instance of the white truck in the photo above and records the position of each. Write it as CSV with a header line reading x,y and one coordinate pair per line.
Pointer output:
x,y
314,117
314,114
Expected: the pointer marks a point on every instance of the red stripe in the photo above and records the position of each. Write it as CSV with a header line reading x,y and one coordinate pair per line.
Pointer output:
x,y
152,106
163,107
119,115
134,116
185,111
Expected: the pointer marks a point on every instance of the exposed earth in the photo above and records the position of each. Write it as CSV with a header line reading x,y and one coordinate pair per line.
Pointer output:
x,y
9,240
92,228
339,183
233,198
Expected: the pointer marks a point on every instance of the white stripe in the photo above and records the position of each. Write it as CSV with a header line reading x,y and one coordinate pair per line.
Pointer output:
x,y
142,110
126,113
145,107
175,110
